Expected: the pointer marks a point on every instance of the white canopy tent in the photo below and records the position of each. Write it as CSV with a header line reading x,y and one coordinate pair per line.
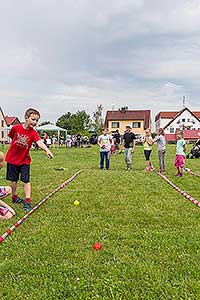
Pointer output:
x,y
51,127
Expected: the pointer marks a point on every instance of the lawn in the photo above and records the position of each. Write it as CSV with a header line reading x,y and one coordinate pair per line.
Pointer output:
x,y
149,232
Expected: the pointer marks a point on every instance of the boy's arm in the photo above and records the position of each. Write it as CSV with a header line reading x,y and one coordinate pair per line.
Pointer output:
x,y
7,206
98,142
133,149
155,139
184,148
150,142
42,146
123,143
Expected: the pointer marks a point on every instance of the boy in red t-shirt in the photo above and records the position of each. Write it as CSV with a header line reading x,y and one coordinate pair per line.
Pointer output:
x,y
18,157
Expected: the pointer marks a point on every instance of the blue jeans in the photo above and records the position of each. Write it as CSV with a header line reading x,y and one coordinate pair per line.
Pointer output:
x,y
104,156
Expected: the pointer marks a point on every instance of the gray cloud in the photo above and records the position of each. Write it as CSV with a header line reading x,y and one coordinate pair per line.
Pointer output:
x,y
67,55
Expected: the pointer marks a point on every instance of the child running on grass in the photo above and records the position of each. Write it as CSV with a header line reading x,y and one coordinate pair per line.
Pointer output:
x,y
18,157
147,143
160,140
180,153
6,212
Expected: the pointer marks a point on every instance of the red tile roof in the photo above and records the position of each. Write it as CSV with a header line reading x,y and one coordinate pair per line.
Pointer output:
x,y
166,115
172,114
197,114
128,115
11,120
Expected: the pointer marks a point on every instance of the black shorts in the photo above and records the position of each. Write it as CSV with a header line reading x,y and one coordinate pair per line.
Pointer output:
x,y
13,173
147,154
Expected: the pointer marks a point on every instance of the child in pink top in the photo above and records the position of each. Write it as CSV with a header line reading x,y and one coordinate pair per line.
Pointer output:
x,y
6,212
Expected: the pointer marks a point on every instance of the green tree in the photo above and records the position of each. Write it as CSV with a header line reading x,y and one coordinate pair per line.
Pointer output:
x,y
78,122
98,119
45,123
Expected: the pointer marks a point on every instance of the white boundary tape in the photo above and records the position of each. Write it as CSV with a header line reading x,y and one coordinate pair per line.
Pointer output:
x,y
183,193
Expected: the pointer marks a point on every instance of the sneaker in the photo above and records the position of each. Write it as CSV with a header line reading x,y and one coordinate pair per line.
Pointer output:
x,y
179,175
27,206
18,200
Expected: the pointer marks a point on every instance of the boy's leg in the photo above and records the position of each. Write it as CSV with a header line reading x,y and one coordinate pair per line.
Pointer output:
x,y
15,198
162,160
101,160
27,190
126,156
14,188
107,155
25,178
12,174
129,158
104,158
146,154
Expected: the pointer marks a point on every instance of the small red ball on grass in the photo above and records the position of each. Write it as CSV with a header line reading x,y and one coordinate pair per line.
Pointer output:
x,y
97,246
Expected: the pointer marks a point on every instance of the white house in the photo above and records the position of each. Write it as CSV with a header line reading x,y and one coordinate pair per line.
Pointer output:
x,y
172,121
5,125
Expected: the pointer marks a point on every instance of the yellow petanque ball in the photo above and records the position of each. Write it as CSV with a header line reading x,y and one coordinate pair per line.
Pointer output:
x,y
76,203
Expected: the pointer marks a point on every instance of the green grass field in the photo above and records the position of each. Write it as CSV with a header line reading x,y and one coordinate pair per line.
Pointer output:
x,y
149,232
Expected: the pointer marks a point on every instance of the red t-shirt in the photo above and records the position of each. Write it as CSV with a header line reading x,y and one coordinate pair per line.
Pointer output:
x,y
22,139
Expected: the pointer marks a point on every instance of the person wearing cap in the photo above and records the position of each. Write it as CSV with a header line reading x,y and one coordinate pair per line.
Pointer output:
x,y
128,145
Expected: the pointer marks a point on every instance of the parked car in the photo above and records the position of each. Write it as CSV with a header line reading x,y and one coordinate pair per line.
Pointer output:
x,y
138,140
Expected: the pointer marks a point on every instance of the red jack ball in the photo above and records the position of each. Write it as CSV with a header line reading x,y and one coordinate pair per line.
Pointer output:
x,y
97,246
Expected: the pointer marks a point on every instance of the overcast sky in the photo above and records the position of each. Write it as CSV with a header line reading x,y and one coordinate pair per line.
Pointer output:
x,y
69,55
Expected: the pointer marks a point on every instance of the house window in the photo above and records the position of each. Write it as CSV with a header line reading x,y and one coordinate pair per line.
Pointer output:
x,y
2,123
183,120
178,122
188,120
2,134
115,125
171,130
136,124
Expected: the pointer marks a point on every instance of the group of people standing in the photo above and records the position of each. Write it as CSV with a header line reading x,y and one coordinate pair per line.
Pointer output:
x,y
24,135
106,141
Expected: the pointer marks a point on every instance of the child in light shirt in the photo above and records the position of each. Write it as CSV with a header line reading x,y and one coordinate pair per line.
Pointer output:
x,y
179,162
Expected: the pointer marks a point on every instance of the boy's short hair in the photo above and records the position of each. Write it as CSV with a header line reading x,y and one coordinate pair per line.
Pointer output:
x,y
2,156
31,111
